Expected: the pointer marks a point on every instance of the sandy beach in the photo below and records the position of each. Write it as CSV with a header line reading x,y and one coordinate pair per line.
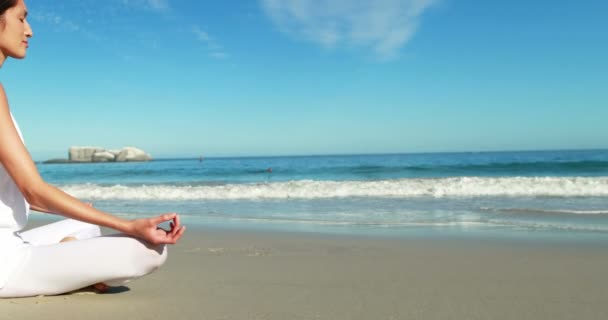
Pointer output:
x,y
224,274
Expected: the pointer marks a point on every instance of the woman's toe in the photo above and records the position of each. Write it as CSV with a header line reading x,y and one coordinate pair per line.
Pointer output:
x,y
100,287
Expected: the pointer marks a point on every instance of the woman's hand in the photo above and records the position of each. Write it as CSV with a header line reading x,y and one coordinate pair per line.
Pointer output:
x,y
147,229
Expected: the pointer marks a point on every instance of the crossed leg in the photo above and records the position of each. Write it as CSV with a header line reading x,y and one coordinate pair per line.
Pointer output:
x,y
54,268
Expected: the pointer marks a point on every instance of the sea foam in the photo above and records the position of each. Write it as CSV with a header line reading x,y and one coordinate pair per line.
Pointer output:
x,y
310,189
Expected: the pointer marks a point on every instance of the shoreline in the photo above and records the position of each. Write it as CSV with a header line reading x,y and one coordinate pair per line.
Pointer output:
x,y
245,274
505,236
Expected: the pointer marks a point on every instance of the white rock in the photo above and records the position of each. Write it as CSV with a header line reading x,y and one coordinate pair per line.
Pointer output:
x,y
83,154
115,152
103,156
132,154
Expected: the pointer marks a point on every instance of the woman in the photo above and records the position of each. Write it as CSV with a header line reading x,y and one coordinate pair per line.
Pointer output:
x,y
40,261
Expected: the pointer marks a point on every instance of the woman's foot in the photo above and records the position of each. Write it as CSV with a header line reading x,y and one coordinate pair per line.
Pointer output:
x,y
66,239
98,287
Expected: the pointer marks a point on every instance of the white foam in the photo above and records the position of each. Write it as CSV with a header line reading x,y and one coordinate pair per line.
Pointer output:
x,y
308,189
546,211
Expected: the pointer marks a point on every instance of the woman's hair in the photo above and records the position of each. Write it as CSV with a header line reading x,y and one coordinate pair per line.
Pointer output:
x,y
5,5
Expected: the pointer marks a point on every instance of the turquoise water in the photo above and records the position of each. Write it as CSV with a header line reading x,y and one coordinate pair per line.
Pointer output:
x,y
561,192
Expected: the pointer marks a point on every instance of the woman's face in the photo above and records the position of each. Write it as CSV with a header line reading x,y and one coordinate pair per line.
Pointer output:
x,y
14,32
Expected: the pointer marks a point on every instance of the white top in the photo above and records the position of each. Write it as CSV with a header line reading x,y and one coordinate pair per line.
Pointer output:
x,y
14,211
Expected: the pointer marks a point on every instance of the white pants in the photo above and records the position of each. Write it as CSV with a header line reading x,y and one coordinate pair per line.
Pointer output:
x,y
54,268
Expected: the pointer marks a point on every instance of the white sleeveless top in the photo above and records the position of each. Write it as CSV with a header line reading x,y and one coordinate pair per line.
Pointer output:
x,y
14,211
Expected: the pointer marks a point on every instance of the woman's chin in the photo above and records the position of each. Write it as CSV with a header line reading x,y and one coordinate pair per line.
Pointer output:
x,y
18,55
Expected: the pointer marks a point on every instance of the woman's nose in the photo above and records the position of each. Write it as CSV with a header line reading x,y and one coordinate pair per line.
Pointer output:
x,y
28,30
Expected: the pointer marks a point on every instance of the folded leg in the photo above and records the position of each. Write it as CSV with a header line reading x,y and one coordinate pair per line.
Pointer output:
x,y
60,268
54,232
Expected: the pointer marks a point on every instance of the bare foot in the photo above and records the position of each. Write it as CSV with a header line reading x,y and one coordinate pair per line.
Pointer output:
x,y
98,287
66,239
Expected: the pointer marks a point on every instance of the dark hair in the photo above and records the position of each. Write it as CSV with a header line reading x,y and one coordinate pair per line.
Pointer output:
x,y
5,5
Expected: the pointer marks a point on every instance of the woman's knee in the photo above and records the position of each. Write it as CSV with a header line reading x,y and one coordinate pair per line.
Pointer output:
x,y
147,259
90,231
159,256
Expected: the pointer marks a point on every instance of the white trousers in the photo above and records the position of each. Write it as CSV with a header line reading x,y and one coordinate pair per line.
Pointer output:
x,y
53,268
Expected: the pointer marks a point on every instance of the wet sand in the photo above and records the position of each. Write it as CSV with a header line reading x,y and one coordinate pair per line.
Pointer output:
x,y
223,274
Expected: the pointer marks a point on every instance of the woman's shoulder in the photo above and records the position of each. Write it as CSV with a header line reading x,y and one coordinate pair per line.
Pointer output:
x,y
3,100
2,92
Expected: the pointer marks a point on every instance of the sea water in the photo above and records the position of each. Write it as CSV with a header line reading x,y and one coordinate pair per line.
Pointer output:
x,y
563,193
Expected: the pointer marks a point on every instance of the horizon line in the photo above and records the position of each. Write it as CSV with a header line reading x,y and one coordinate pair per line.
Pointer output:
x,y
359,154
375,153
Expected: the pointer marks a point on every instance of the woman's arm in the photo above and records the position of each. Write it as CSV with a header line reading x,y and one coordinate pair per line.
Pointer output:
x,y
39,209
19,165
45,210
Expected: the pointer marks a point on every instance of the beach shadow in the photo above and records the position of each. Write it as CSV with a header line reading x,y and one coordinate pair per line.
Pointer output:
x,y
90,290
118,289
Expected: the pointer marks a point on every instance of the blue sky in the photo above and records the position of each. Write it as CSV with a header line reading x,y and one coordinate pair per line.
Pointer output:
x,y
273,77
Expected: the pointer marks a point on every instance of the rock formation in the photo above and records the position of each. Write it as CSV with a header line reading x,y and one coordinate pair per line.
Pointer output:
x,y
132,154
83,154
97,154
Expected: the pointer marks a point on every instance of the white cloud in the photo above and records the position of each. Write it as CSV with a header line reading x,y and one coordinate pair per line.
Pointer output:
x,y
218,55
200,34
383,26
96,21
55,20
158,4
91,11
215,49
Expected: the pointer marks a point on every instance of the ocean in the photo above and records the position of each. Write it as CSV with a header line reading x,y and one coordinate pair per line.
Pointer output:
x,y
517,194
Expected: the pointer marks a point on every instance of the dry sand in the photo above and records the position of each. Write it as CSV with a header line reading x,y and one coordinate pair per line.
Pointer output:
x,y
215,274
